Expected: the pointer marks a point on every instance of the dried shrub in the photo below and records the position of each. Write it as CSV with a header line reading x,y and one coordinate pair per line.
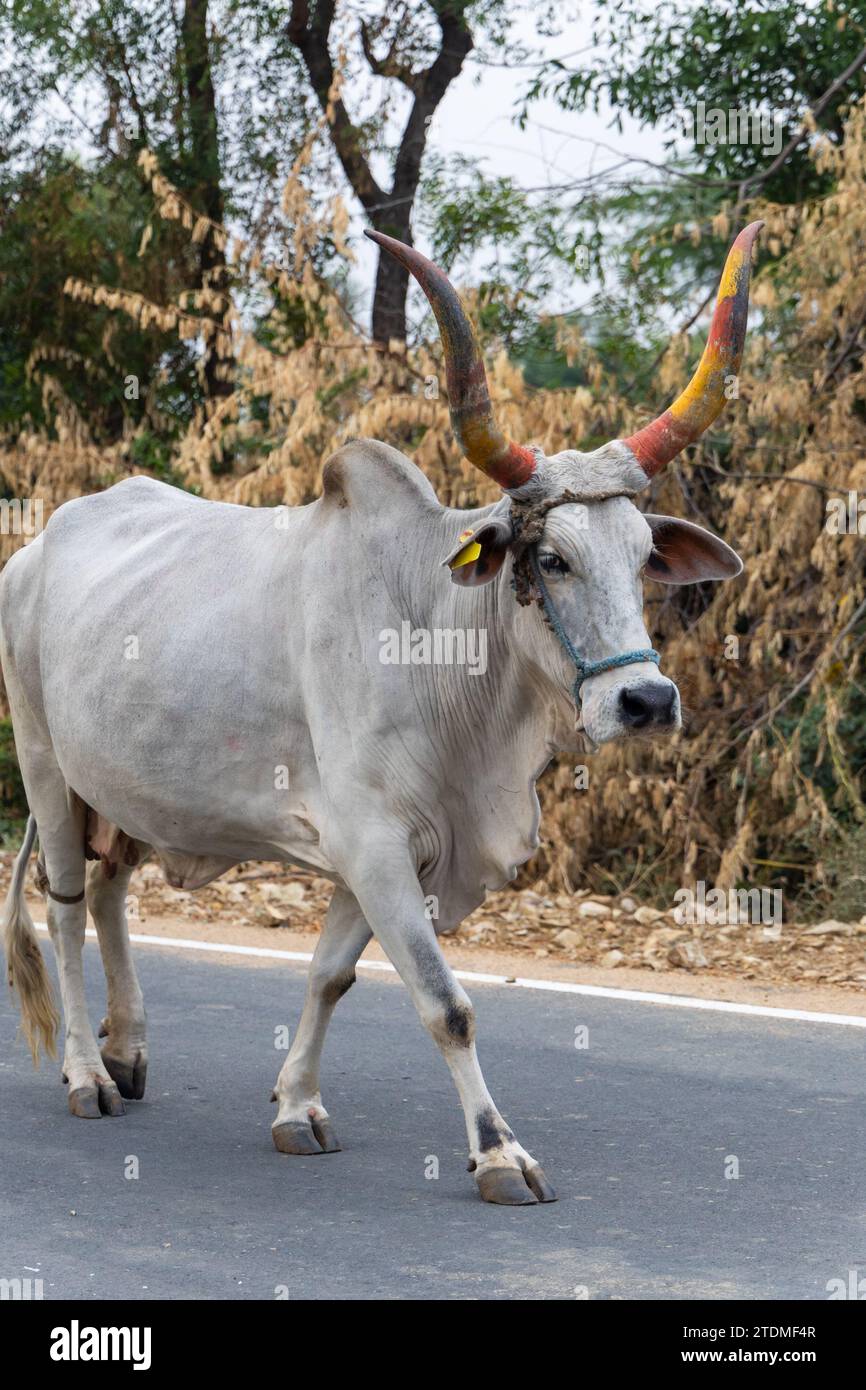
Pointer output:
x,y
767,773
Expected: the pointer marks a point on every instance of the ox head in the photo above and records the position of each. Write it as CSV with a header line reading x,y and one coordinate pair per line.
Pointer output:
x,y
579,544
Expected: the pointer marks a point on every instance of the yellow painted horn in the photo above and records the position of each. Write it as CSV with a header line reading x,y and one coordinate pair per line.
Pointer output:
x,y
476,431
703,399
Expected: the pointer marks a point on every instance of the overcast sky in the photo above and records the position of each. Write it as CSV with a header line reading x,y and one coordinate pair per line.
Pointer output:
x,y
476,117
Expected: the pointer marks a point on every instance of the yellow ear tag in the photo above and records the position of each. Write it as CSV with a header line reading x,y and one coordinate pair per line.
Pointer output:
x,y
466,555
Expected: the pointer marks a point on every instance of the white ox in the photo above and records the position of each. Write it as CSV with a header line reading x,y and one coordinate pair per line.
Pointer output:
x,y
191,680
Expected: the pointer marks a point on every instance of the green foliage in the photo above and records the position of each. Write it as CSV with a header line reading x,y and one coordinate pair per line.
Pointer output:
x,y
656,61
13,800
842,895
58,219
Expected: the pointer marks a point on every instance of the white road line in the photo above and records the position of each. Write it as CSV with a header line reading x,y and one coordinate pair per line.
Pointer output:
x,y
687,1001
633,996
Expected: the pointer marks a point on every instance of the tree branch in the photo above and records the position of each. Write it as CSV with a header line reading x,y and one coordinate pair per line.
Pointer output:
x,y
310,32
431,86
389,211
134,101
390,65
803,129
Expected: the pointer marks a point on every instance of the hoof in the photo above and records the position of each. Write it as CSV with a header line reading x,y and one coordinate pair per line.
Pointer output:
x,y
291,1137
327,1138
511,1187
538,1181
129,1077
90,1102
84,1102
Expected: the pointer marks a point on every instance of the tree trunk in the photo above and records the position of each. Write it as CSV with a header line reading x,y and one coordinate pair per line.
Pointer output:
x,y
205,174
392,285
390,212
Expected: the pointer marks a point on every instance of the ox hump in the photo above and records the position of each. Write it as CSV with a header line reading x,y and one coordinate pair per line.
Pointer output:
x,y
367,475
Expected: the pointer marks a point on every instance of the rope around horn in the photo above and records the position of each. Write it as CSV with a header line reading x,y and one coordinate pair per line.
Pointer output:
x,y
527,520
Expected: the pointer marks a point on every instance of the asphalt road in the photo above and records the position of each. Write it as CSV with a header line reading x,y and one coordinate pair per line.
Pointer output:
x,y
635,1132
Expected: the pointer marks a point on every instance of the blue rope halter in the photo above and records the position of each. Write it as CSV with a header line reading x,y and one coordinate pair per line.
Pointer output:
x,y
584,669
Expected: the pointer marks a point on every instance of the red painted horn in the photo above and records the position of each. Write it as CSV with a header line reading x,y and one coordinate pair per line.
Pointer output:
x,y
476,431
703,399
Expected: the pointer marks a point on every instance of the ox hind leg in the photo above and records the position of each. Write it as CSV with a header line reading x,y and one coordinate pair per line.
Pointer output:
x,y
124,1053
302,1125
60,821
395,907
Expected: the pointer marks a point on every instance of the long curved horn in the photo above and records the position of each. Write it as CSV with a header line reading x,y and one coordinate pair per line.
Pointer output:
x,y
703,399
482,442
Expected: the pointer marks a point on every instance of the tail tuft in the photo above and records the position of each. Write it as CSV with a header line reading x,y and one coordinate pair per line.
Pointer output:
x,y
24,963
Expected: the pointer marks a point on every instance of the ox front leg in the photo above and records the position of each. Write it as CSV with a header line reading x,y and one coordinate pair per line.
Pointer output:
x,y
504,1171
303,1125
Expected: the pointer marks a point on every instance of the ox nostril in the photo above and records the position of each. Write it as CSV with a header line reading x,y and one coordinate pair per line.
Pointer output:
x,y
635,708
643,705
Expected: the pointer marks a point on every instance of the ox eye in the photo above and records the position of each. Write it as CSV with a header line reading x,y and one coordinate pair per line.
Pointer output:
x,y
552,564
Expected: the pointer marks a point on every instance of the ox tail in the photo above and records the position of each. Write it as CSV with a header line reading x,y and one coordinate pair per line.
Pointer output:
x,y
24,963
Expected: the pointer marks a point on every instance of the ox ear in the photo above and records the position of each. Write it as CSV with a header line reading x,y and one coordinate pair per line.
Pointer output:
x,y
683,553
478,555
